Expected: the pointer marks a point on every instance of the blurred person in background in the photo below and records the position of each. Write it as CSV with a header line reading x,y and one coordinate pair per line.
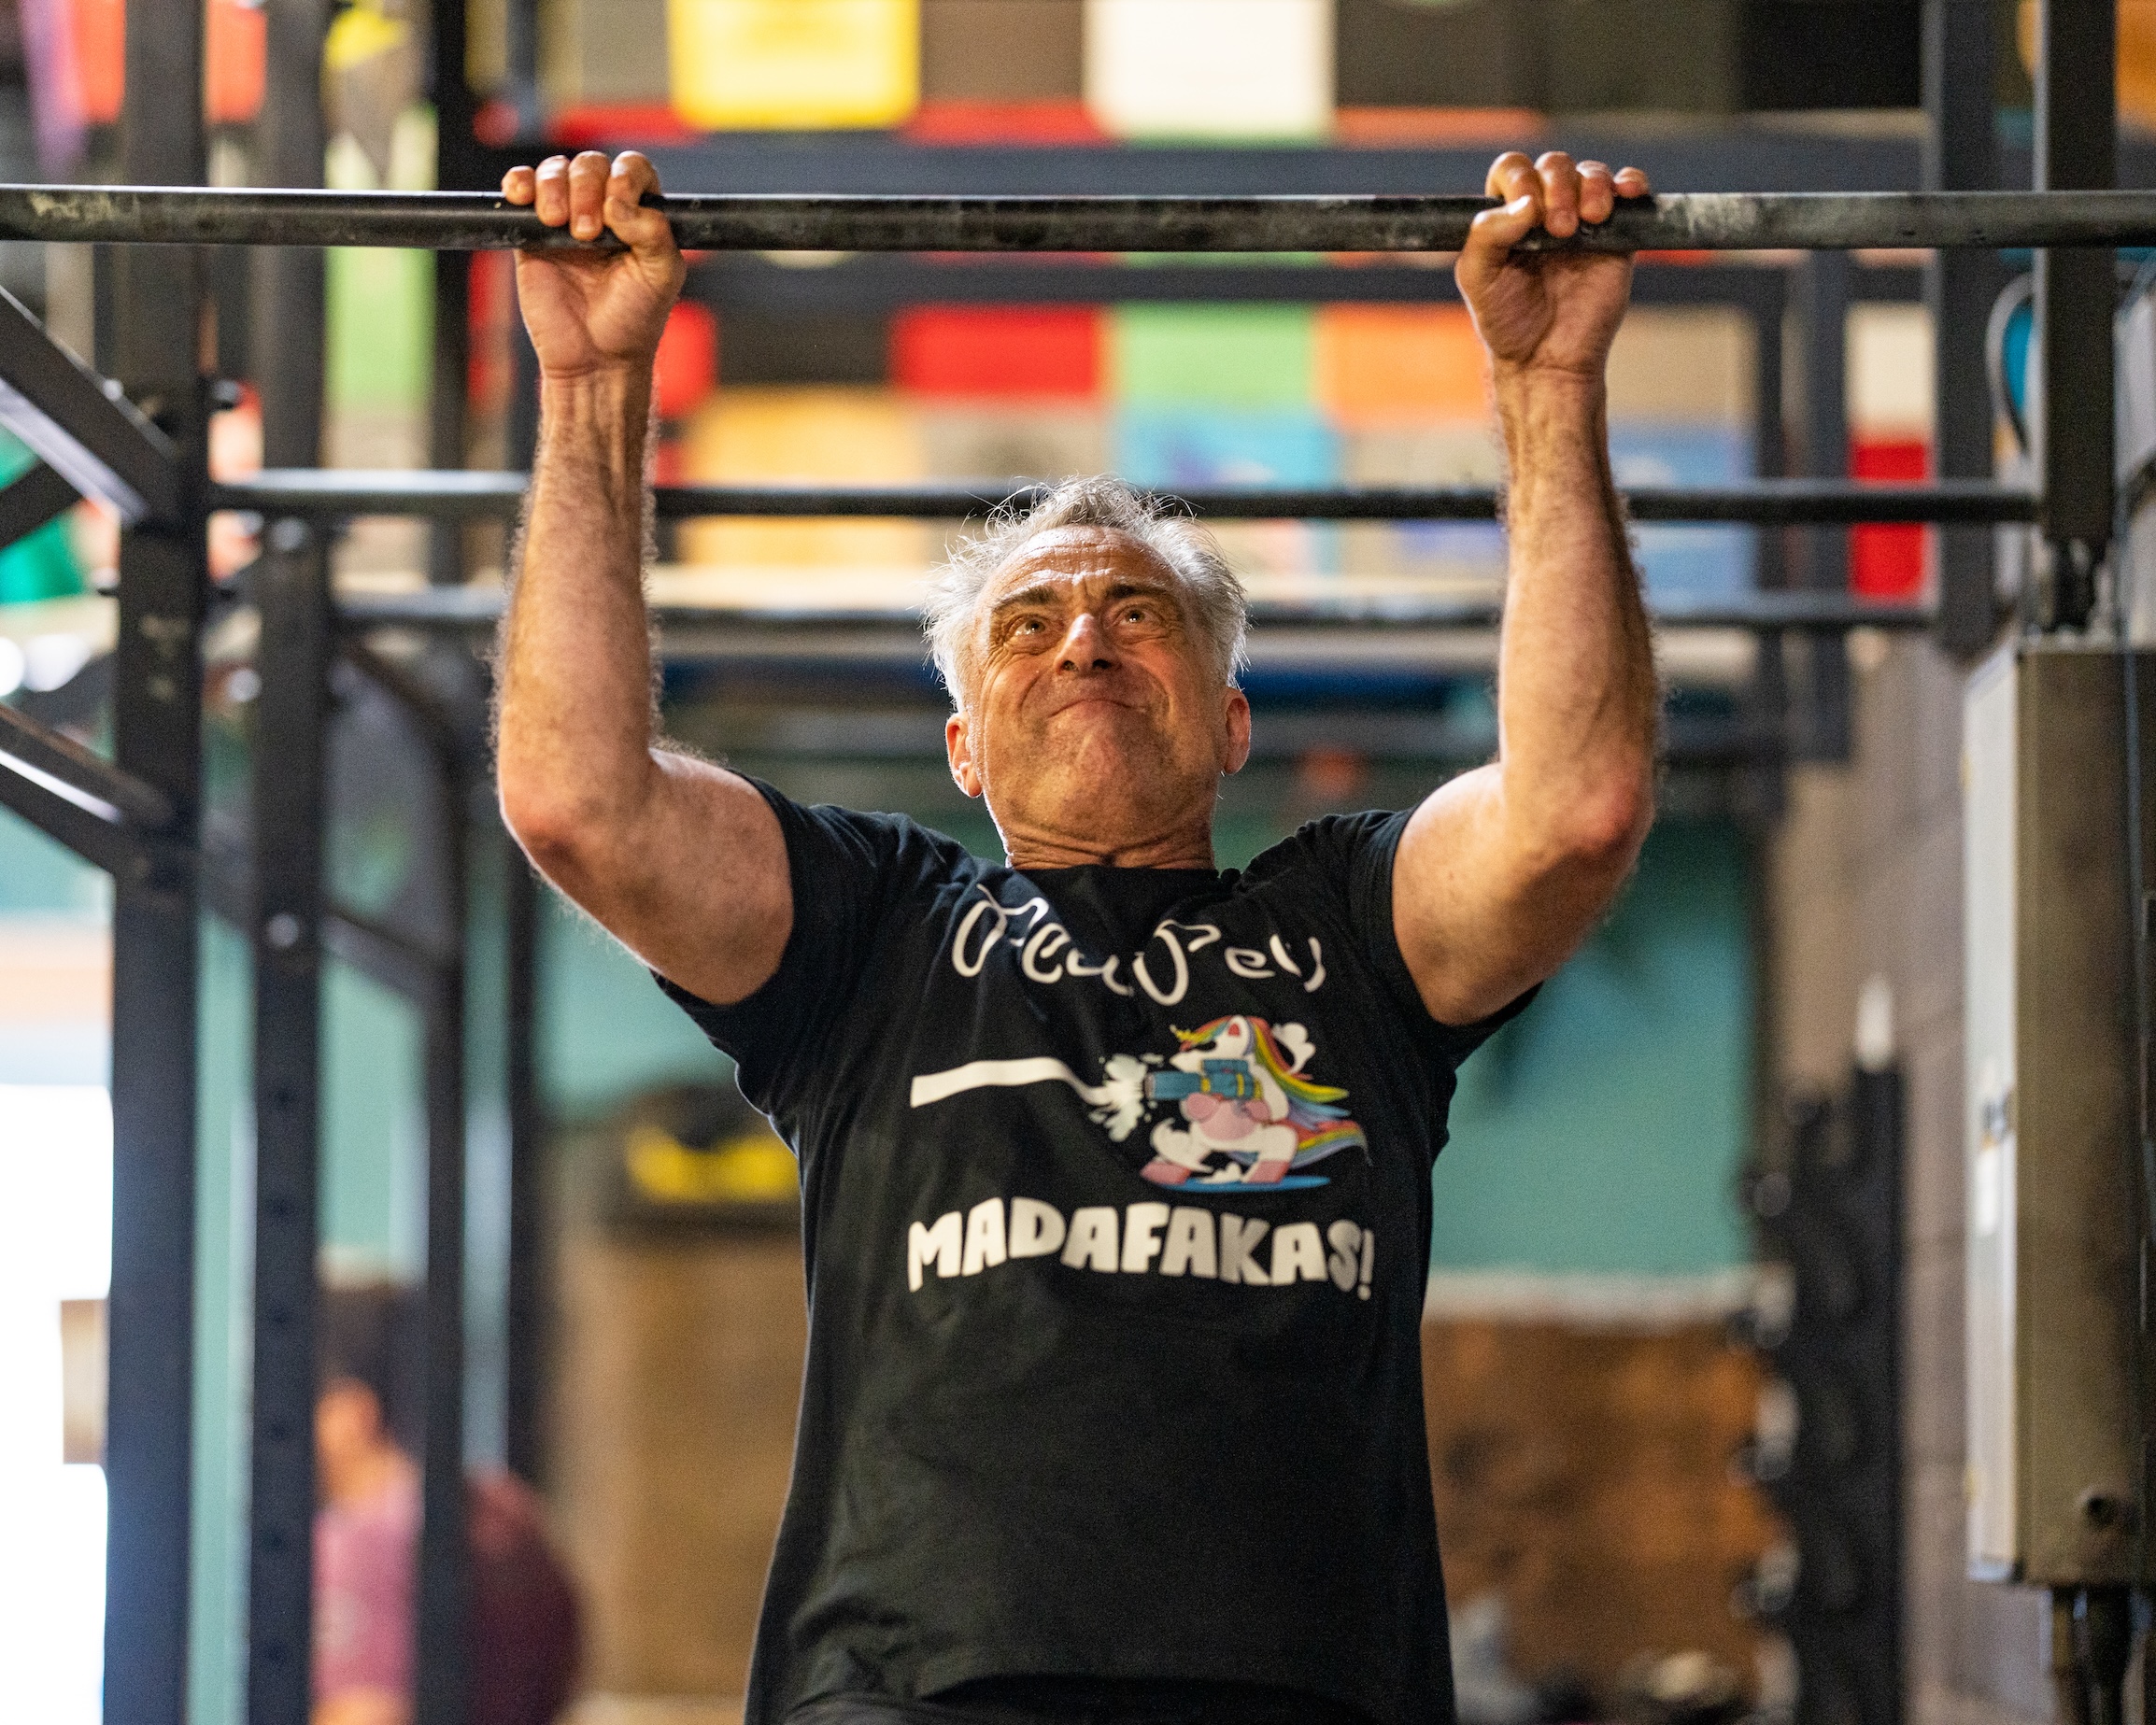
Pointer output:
x,y
521,1614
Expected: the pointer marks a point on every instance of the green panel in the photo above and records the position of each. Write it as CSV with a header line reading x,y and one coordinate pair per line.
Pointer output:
x,y
1212,355
606,1032
223,1334
374,1129
381,328
1602,1131
40,876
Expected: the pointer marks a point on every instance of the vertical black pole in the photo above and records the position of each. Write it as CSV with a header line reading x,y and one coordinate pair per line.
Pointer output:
x,y
1961,154
439,1686
1769,437
1824,288
2076,293
457,171
288,339
522,1423
292,593
157,723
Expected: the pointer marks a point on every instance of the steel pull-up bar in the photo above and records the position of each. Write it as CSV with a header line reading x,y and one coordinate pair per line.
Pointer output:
x,y
1677,222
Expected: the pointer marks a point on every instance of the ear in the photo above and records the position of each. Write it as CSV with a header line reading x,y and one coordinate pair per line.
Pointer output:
x,y
958,745
1237,749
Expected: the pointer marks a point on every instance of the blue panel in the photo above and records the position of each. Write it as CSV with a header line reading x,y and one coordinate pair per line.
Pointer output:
x,y
1602,1131
1692,562
1170,447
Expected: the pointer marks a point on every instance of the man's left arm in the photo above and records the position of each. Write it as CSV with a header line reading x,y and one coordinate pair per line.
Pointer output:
x,y
1503,870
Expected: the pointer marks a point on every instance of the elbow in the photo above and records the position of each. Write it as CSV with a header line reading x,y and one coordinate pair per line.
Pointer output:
x,y
545,821
1600,835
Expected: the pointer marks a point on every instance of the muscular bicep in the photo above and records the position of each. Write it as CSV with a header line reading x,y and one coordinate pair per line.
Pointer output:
x,y
1486,905
695,882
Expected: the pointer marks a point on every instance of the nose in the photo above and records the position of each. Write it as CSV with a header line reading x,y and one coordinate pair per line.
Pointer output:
x,y
1085,646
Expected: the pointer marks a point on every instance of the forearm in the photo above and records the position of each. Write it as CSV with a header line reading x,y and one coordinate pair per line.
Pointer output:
x,y
576,723
1577,696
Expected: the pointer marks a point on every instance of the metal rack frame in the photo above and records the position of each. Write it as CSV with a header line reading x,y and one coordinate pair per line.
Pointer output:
x,y
139,815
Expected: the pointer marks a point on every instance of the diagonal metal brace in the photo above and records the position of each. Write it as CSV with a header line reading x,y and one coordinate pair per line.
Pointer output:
x,y
103,816
82,427
31,499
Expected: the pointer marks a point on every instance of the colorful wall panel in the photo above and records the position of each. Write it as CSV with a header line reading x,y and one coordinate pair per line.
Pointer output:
x,y
1690,562
793,65
1210,68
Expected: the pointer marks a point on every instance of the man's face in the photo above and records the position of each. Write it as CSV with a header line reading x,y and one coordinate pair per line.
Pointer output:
x,y
1095,719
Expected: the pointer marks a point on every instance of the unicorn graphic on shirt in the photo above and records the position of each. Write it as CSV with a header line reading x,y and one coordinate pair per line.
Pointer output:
x,y
1246,1112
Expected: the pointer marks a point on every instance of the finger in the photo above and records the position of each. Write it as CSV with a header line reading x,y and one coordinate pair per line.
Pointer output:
x,y
1560,192
552,200
1500,182
519,185
1597,192
587,176
646,232
1632,183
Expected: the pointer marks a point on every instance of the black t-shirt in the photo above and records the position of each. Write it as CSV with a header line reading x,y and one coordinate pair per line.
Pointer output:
x,y
1115,1191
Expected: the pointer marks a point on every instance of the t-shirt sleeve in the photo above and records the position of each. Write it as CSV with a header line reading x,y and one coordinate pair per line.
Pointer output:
x,y
845,868
1357,853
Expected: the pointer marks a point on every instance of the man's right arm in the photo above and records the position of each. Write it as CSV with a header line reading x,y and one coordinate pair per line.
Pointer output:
x,y
680,860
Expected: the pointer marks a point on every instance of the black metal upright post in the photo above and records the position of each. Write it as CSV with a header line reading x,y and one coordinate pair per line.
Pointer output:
x,y
1824,289
2076,293
457,170
289,798
439,1688
288,327
524,1343
292,592
157,724
1961,154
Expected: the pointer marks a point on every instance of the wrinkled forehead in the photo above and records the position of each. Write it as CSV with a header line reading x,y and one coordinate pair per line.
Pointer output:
x,y
1080,561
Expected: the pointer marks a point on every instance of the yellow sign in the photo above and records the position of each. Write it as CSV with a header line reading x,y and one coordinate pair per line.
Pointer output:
x,y
752,1168
794,64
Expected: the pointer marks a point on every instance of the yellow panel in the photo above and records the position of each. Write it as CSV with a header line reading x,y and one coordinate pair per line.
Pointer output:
x,y
800,435
780,64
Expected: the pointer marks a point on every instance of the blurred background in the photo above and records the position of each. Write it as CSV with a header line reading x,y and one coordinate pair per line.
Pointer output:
x,y
1608,1424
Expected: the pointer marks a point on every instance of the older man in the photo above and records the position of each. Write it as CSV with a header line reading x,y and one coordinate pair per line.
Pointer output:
x,y
1115,1167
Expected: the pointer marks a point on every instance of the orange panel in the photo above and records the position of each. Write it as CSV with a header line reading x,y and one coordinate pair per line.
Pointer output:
x,y
1385,364
100,31
235,58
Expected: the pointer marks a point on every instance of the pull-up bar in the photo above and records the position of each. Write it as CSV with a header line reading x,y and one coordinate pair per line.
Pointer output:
x,y
1677,221
443,494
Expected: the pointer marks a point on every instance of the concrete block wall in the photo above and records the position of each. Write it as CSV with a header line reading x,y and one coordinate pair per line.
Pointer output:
x,y
1866,879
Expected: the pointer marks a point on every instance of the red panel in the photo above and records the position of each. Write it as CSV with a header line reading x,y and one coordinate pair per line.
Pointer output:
x,y
235,52
997,350
1888,562
618,125
1004,122
687,367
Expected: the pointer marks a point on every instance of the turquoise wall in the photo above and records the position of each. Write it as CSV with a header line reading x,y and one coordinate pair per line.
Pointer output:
x,y
1602,1131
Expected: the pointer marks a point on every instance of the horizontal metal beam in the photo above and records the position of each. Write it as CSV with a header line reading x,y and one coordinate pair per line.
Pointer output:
x,y
1687,221
1793,613
31,498
80,425
442,494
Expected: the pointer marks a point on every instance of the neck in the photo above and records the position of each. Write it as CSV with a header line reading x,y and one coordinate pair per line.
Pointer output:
x,y
1185,849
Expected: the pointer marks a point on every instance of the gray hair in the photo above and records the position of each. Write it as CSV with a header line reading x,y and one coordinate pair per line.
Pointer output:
x,y
1218,612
